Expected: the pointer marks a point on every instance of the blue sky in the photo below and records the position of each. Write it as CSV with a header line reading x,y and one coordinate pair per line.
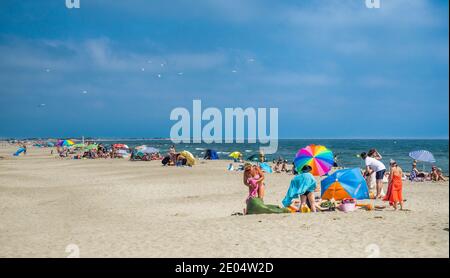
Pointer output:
x,y
333,68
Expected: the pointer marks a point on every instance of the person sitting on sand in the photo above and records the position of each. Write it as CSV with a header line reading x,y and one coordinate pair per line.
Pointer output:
x,y
254,180
173,155
303,185
415,174
277,166
394,193
436,174
284,166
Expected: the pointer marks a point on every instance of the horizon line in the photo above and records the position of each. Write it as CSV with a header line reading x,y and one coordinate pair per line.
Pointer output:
x,y
234,139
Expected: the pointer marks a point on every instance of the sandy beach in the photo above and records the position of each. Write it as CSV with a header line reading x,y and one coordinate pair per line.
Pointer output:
x,y
119,208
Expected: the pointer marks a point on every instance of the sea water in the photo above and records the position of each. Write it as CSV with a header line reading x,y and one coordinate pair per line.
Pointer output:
x,y
347,150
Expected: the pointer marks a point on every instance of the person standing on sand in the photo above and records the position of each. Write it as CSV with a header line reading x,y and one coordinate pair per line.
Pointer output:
x,y
373,164
394,193
262,157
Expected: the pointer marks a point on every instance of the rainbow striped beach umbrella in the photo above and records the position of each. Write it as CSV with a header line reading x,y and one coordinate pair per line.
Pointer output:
x,y
318,157
65,143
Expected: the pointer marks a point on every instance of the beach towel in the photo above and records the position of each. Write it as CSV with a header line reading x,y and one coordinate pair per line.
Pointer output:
x,y
257,206
300,184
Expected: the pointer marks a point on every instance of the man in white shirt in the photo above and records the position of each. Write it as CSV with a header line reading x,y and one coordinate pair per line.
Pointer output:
x,y
374,165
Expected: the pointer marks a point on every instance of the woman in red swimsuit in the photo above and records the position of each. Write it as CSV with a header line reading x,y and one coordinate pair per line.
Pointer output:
x,y
394,193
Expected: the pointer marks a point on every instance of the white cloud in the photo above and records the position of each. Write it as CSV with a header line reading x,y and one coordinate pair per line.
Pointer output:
x,y
99,54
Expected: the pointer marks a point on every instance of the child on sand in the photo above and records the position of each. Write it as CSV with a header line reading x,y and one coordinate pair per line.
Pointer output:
x,y
253,178
394,193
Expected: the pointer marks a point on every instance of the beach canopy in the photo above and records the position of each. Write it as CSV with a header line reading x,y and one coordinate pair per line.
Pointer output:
x,y
19,151
265,167
235,155
318,157
345,183
92,147
189,157
65,143
120,146
422,155
79,146
148,150
122,152
254,158
50,144
211,155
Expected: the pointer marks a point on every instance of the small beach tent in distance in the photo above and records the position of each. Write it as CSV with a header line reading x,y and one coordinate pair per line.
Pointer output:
x,y
345,183
189,157
235,155
254,158
211,155
120,146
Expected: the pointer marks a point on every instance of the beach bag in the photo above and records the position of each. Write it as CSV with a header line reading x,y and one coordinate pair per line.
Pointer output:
x,y
165,160
257,206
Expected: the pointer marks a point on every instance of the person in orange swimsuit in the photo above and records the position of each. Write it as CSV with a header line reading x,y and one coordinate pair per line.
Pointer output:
x,y
394,192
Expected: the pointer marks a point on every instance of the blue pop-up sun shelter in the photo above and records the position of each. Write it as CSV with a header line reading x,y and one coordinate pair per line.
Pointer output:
x,y
19,151
211,154
345,183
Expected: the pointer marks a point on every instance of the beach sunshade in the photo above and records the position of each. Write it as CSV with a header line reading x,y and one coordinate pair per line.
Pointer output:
x,y
211,155
422,155
65,143
120,146
92,147
254,158
149,150
318,157
235,155
189,157
122,152
19,151
345,183
79,146
50,144
214,155
265,167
